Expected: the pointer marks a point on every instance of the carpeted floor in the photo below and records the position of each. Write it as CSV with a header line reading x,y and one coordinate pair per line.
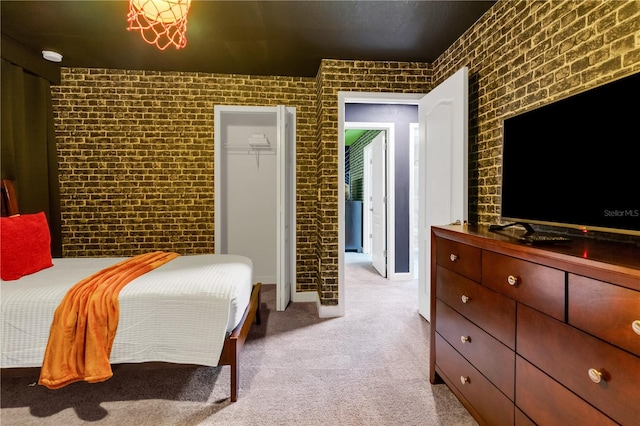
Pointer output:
x,y
369,367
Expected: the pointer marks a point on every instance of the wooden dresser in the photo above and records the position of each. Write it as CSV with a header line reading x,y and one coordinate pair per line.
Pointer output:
x,y
546,335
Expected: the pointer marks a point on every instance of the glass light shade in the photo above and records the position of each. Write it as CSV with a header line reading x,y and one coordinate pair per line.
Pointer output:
x,y
165,11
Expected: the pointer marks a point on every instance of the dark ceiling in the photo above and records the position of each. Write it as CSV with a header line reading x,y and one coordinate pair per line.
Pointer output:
x,y
287,38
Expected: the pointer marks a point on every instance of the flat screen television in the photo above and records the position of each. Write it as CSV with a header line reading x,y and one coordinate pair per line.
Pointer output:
x,y
575,163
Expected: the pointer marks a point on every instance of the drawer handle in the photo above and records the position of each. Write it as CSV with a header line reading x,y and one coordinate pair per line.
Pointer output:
x,y
465,299
635,325
512,280
464,380
465,339
453,257
595,375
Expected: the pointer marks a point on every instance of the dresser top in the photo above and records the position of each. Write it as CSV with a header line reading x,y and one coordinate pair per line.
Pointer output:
x,y
605,260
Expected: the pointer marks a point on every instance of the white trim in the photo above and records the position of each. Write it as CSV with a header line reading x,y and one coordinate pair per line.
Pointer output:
x,y
403,276
340,307
379,98
330,311
305,296
324,311
391,202
293,216
414,128
366,203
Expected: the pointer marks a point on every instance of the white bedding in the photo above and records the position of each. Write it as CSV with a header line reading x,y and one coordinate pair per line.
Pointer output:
x,y
179,312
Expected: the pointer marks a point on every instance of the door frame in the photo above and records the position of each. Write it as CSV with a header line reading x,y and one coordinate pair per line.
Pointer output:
x,y
286,194
390,207
219,111
366,202
414,155
344,98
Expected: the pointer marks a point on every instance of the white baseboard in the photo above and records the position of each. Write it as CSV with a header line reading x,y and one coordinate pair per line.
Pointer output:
x,y
305,296
329,311
324,311
401,276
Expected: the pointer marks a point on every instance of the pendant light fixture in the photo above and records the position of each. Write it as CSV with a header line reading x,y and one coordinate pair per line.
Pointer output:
x,y
160,22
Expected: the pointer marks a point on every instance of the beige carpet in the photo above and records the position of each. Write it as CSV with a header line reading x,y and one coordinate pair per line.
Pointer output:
x,y
369,367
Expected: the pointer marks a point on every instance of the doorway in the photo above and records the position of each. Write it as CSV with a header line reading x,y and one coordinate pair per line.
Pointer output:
x,y
255,166
391,99
443,128
396,203
367,165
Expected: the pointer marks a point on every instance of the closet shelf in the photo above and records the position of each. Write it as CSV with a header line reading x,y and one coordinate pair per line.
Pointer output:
x,y
249,149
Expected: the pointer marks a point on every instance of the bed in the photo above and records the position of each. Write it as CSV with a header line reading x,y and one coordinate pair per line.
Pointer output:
x,y
192,310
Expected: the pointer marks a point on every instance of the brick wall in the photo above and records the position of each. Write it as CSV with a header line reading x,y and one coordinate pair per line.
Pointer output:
x,y
522,54
355,76
136,148
356,161
136,158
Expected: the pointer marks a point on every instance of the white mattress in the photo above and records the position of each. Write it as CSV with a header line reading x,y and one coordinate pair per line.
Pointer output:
x,y
179,312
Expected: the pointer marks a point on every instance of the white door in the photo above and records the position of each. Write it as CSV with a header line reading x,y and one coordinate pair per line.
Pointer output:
x,y
285,271
414,251
379,205
366,199
443,116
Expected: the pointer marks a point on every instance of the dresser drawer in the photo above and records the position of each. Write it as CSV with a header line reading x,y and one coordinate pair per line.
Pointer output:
x,y
458,257
569,355
494,408
493,359
491,311
605,310
547,402
538,286
521,419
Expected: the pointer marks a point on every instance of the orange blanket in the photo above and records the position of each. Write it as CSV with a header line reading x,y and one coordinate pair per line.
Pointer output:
x,y
84,324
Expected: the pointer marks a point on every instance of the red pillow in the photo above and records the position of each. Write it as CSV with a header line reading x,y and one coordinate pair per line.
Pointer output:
x,y
25,245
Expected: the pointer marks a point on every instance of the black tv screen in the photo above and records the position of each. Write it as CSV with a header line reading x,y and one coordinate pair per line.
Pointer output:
x,y
576,162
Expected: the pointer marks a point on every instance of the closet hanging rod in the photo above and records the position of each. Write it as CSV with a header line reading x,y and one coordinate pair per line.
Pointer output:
x,y
267,149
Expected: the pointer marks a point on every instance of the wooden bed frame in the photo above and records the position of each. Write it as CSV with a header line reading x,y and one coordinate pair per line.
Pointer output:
x,y
232,345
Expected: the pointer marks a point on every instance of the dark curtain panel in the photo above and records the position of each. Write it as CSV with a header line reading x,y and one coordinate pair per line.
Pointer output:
x,y
29,154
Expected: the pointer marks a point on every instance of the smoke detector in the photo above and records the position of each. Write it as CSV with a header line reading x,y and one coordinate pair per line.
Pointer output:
x,y
52,56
